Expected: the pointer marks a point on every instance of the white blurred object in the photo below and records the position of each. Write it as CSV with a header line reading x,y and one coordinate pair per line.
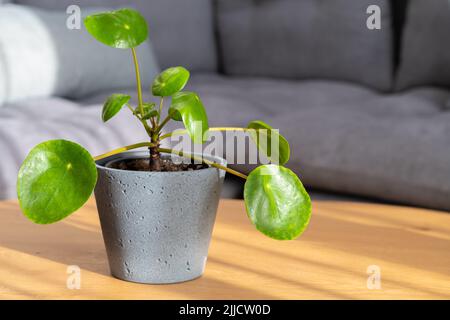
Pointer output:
x,y
41,57
27,56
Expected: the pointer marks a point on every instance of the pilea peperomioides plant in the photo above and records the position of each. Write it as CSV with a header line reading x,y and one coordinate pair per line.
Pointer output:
x,y
58,176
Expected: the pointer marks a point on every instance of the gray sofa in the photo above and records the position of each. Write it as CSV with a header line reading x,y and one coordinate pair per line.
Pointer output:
x,y
367,112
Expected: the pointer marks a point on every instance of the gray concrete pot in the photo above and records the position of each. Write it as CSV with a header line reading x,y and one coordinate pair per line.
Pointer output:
x,y
157,225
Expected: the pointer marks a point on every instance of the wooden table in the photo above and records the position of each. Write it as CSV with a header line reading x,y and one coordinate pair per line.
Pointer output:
x,y
411,248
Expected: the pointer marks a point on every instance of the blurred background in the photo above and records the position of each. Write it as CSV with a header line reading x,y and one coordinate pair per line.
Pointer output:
x,y
360,88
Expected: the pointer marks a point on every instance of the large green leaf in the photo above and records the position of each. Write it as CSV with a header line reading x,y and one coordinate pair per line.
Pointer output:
x,y
56,178
123,29
113,104
170,81
276,202
187,107
263,135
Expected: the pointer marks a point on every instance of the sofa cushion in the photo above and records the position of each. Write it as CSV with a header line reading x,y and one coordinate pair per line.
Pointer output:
x,y
25,124
391,148
346,138
236,101
231,101
425,58
306,39
40,57
181,31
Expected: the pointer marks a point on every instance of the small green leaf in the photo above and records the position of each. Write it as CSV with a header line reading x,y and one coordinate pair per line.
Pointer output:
x,y
56,179
263,136
187,107
276,202
113,105
148,106
150,114
123,29
149,111
170,81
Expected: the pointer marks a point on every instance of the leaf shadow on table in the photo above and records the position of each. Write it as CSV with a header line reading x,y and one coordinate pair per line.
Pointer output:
x,y
301,261
384,242
284,279
49,243
391,243
364,239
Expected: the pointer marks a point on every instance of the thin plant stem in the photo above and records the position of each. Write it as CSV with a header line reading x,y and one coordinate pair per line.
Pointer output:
x,y
164,122
123,149
228,129
139,92
147,128
181,132
170,134
152,120
131,109
138,81
211,163
161,102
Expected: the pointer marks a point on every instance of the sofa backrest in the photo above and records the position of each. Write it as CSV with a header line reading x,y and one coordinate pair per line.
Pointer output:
x,y
297,39
40,57
306,39
398,8
425,49
181,31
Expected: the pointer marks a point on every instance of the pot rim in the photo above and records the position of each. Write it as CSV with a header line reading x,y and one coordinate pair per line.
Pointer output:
x,y
101,164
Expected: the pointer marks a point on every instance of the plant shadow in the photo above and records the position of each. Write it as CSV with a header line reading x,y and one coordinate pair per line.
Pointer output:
x,y
78,241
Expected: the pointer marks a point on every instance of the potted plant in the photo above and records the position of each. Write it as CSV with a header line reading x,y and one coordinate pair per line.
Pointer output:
x,y
156,214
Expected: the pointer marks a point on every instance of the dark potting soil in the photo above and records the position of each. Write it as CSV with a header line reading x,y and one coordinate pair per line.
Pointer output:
x,y
166,165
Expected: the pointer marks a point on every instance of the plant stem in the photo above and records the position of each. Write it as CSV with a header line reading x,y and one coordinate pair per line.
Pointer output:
x,y
160,108
147,128
163,123
181,132
131,109
122,149
154,125
155,158
180,153
211,163
139,92
138,81
228,129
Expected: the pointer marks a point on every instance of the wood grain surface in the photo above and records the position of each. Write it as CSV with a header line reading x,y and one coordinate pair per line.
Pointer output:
x,y
411,248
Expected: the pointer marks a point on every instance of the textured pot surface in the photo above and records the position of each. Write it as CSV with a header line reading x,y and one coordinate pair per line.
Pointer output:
x,y
157,225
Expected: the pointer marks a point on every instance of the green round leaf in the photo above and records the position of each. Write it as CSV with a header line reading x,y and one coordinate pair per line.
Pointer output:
x,y
113,105
170,81
56,179
149,111
263,136
187,107
123,29
148,108
276,202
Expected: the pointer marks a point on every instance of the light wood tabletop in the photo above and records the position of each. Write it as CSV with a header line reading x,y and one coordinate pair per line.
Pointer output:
x,y
346,249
